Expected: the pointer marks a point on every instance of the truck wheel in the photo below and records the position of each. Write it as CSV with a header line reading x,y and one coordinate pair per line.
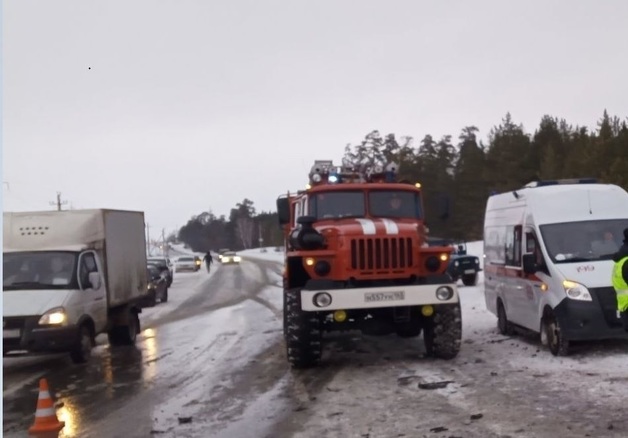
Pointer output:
x,y
553,336
470,279
125,334
442,333
504,326
84,344
302,332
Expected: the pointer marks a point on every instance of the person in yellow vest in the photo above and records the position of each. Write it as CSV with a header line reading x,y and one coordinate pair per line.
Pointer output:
x,y
620,280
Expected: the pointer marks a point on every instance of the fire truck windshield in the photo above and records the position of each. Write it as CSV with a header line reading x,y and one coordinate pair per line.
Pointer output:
x,y
382,203
394,204
336,205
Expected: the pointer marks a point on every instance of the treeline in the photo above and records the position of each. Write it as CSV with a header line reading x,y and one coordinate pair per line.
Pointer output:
x,y
460,174
241,230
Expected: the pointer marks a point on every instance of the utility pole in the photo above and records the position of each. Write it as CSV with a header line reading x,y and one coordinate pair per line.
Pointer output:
x,y
58,202
261,239
164,250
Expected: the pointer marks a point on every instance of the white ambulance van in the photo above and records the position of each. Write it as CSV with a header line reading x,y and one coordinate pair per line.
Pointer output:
x,y
548,259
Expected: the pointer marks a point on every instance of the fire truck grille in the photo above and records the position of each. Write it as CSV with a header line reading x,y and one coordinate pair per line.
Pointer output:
x,y
381,253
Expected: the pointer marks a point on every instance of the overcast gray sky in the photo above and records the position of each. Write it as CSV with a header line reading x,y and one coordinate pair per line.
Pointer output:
x,y
175,107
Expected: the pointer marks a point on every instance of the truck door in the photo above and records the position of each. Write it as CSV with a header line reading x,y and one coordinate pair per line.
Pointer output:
x,y
95,295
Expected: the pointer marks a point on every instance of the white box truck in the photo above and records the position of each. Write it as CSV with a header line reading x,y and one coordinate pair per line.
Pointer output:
x,y
548,251
69,276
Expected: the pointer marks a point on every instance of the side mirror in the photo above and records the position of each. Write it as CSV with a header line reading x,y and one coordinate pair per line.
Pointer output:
x,y
94,280
283,211
529,263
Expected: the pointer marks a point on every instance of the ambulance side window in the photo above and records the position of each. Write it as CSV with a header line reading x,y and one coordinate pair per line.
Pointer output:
x,y
513,246
532,247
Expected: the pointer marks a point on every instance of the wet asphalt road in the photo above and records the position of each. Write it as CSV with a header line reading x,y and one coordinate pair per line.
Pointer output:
x,y
117,378
216,367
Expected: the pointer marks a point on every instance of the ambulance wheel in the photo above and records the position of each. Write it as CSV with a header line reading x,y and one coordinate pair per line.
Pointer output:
x,y
553,336
302,332
442,332
505,327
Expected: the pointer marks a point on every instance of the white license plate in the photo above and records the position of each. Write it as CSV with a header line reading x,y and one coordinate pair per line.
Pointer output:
x,y
469,271
11,333
371,297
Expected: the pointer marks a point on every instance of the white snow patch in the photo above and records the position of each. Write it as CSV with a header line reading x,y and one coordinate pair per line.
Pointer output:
x,y
269,254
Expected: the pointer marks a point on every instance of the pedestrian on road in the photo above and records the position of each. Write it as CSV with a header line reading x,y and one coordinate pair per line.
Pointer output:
x,y
208,260
620,280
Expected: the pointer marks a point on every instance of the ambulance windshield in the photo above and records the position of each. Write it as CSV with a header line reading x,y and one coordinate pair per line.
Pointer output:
x,y
573,242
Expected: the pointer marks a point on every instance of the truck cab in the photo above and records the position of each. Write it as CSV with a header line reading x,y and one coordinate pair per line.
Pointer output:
x,y
357,258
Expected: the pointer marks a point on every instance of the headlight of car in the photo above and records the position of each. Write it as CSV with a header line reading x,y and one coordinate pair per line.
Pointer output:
x,y
237,259
54,316
576,291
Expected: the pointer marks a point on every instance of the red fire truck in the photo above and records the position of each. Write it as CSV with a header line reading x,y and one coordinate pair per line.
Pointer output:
x,y
357,259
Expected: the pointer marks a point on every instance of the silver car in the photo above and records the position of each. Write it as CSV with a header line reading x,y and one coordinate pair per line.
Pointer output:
x,y
185,263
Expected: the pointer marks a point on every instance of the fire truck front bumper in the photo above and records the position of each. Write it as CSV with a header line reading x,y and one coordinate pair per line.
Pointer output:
x,y
377,297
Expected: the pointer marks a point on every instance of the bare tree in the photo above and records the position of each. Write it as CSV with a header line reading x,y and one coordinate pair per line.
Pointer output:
x,y
244,226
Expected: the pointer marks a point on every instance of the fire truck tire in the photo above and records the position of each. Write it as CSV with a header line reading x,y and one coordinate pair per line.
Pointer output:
x,y
443,332
302,332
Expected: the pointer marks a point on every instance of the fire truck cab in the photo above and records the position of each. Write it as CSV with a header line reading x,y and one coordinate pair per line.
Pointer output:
x,y
357,259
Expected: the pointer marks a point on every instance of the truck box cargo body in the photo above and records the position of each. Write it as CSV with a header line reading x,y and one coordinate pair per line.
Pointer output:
x,y
71,272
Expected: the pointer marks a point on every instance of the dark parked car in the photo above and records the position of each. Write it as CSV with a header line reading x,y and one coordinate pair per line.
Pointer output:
x,y
165,267
157,285
462,266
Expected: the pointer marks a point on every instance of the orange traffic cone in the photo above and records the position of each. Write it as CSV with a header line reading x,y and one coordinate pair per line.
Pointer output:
x,y
46,420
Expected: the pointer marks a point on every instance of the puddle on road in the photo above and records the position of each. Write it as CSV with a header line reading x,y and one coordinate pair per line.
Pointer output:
x,y
84,393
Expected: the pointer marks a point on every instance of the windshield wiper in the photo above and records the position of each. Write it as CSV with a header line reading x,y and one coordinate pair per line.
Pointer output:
x,y
25,283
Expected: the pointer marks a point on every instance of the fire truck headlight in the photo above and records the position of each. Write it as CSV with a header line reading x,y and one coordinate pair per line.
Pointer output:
x,y
432,264
322,299
444,293
322,268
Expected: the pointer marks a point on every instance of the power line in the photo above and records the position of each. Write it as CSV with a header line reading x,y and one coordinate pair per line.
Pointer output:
x,y
58,202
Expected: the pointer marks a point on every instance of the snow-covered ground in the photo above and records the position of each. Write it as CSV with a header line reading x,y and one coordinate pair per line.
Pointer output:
x,y
607,362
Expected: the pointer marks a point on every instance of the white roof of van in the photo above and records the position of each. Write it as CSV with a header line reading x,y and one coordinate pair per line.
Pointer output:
x,y
566,202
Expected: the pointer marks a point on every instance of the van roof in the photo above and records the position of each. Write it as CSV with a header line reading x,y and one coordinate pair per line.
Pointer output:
x,y
557,203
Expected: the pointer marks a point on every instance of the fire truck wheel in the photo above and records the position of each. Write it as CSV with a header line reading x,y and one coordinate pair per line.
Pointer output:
x,y
443,331
302,331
